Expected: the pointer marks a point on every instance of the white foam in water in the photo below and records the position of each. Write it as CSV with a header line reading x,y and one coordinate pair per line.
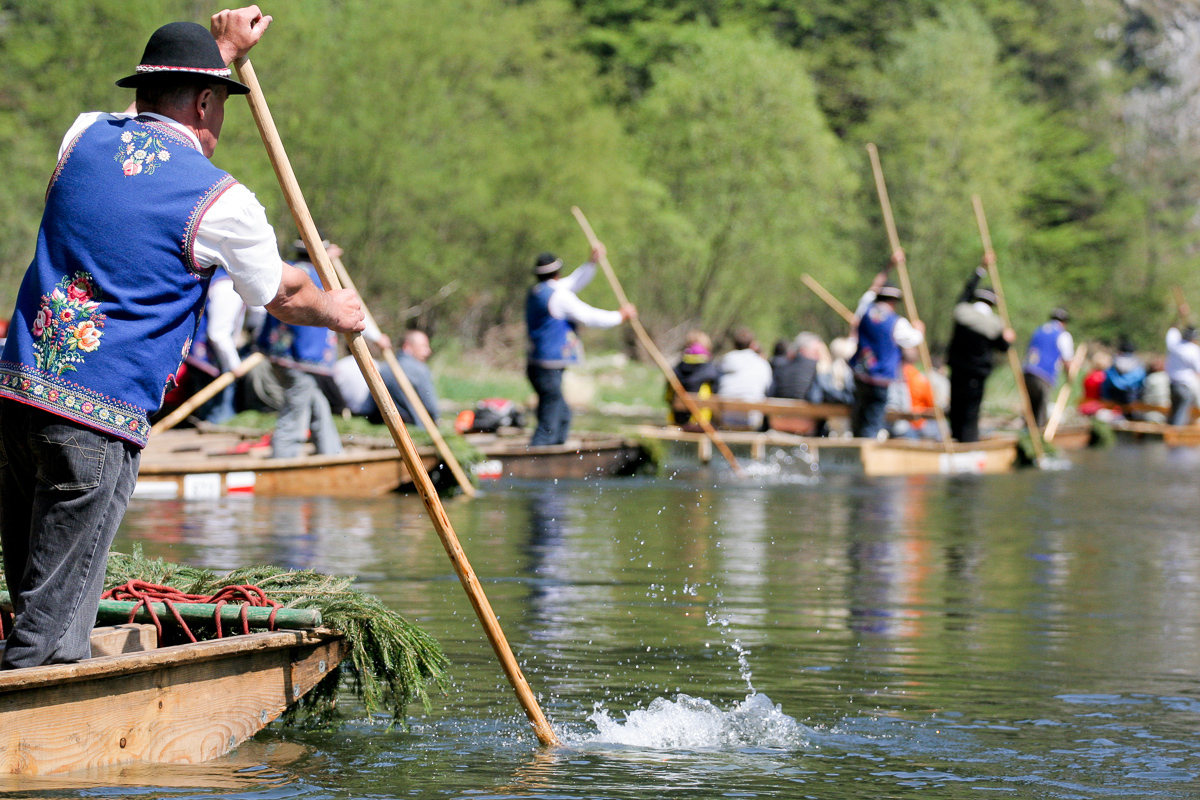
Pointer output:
x,y
691,723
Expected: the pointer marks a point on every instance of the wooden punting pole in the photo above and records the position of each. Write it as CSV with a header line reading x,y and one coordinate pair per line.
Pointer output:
x,y
391,417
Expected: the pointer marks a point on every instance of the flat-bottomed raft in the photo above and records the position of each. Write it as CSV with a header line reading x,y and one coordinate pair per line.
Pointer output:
x,y
198,465
137,702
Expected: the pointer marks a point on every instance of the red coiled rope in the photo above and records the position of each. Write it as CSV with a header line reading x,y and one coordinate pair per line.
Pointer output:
x,y
144,594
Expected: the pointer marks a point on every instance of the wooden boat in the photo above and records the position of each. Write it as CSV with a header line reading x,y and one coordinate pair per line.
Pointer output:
x,y
1075,436
196,465
1170,435
869,457
141,703
785,414
583,456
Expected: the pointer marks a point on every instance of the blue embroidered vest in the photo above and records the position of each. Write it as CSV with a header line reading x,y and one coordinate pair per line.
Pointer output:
x,y
878,357
552,341
305,347
1043,355
109,306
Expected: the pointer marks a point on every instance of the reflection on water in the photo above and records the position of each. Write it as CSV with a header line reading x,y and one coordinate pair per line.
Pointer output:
x,y
1030,635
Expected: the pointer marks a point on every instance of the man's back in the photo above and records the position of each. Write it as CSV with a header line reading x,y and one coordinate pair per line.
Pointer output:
x,y
745,375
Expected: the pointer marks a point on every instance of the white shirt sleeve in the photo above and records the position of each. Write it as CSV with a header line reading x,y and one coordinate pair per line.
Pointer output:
x,y
1174,337
85,121
234,234
581,277
225,315
905,335
564,304
864,303
1066,346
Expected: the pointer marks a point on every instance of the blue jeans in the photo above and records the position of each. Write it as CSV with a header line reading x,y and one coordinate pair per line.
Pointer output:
x,y
63,492
305,410
870,409
553,413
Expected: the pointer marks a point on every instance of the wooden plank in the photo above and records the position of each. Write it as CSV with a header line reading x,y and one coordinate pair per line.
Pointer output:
x,y
784,407
131,637
174,705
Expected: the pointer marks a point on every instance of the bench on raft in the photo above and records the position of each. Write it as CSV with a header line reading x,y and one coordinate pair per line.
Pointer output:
x,y
783,414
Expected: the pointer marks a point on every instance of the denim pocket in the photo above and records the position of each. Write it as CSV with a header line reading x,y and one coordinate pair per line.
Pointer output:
x,y
69,458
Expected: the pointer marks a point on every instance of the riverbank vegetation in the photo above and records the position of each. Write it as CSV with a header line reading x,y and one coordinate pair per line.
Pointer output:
x,y
716,146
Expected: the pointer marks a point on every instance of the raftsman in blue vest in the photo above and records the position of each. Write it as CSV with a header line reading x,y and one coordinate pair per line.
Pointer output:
x,y
303,347
878,358
552,341
1043,355
109,306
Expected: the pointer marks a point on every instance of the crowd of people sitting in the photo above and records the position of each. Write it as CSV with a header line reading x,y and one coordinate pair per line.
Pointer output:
x,y
874,371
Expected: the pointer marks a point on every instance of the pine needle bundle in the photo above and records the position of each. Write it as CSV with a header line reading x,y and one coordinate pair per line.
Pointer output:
x,y
391,661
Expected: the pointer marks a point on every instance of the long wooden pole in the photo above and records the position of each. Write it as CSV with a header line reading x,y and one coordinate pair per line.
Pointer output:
x,y
1064,392
821,292
410,392
910,303
1185,312
205,394
1014,360
655,353
408,451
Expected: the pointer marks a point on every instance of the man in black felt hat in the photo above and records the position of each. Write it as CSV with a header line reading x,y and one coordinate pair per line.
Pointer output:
x,y
979,333
878,363
552,313
137,220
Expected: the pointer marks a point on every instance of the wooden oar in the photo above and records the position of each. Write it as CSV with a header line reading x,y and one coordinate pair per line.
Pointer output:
x,y
655,353
207,393
1185,312
906,286
410,392
821,292
1014,360
408,451
1064,393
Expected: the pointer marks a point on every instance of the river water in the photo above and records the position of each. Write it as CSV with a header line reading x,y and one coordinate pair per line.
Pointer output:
x,y
1026,635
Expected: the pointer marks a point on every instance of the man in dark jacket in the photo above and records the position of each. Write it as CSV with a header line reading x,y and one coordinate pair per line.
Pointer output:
x,y
978,334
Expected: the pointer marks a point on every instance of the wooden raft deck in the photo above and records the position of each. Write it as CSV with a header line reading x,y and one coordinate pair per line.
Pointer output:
x,y
1170,435
175,705
865,456
196,465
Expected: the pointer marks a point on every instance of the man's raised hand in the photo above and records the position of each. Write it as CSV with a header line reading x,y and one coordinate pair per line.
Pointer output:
x,y
237,30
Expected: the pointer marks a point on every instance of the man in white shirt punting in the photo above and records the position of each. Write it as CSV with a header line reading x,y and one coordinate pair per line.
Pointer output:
x,y
1183,369
552,313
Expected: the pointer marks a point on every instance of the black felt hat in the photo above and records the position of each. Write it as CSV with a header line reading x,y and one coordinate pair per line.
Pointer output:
x,y
183,49
547,264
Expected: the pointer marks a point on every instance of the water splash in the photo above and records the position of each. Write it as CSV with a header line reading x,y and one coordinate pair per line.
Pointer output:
x,y
743,655
692,723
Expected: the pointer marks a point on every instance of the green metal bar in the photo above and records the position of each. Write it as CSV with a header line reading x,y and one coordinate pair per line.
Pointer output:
x,y
116,612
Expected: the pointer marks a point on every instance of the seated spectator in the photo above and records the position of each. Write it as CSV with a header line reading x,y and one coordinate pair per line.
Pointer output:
x,y
745,375
795,374
697,373
836,378
412,357
1156,391
1093,381
1124,380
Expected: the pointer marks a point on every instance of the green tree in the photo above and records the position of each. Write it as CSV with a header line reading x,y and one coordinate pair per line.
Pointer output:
x,y
732,130
948,125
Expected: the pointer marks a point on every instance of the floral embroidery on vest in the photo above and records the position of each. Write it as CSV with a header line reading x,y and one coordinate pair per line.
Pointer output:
x,y
141,152
67,325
